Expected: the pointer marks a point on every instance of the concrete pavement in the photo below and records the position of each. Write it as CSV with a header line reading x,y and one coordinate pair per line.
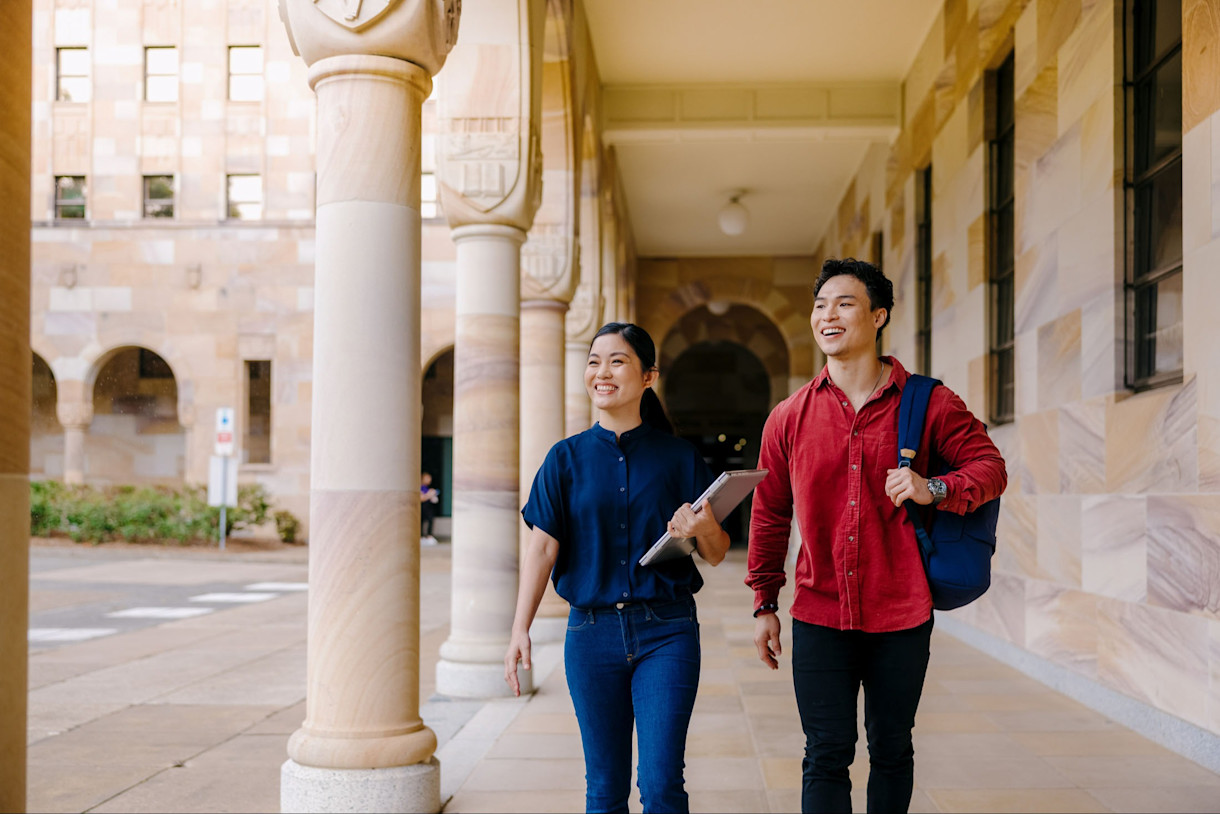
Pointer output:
x,y
174,711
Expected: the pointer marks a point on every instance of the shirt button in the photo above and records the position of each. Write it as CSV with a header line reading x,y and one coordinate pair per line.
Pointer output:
x,y
849,539
624,488
620,460
624,593
854,432
845,404
852,502
622,562
849,573
622,525
853,466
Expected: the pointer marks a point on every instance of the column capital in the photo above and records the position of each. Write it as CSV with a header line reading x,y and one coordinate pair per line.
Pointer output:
x,y
421,32
74,414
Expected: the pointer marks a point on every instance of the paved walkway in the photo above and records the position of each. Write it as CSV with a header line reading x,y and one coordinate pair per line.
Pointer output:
x,y
192,714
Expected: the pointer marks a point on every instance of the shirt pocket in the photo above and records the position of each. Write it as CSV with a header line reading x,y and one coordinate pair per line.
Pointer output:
x,y
885,456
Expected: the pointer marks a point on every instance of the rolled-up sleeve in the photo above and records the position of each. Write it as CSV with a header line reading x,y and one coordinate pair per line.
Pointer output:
x,y
770,514
976,469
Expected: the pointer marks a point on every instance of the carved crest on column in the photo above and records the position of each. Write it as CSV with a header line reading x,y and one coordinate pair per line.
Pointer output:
x,y
547,262
482,158
584,314
354,14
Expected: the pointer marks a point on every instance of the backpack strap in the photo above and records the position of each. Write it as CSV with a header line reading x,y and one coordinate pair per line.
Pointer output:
x,y
912,411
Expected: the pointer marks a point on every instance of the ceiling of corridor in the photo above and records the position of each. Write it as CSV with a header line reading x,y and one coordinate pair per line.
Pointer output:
x,y
781,98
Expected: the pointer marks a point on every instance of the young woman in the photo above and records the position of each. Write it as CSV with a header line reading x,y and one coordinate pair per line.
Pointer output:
x,y
599,501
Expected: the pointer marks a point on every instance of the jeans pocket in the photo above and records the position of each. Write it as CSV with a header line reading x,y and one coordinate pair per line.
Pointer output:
x,y
674,612
579,619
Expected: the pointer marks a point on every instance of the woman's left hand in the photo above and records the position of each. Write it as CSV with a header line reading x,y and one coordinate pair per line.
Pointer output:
x,y
687,522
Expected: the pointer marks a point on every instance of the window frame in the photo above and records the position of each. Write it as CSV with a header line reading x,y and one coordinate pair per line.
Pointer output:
x,y
61,202
229,200
261,74
148,74
1140,372
1001,232
60,75
923,270
173,198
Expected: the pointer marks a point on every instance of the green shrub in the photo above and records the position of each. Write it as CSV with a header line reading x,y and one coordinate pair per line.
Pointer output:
x,y
139,513
286,525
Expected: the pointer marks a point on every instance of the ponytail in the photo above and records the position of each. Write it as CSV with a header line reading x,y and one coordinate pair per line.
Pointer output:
x,y
653,412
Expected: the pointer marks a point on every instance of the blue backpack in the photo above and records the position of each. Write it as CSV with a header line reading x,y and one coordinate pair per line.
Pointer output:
x,y
957,552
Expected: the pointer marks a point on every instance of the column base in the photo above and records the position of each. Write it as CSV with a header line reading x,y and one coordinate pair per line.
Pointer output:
x,y
549,629
400,788
458,679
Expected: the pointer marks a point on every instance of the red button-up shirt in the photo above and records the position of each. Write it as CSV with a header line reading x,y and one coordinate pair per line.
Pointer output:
x,y
859,566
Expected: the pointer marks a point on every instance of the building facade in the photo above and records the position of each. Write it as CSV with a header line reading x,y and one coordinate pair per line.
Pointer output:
x,y
1044,191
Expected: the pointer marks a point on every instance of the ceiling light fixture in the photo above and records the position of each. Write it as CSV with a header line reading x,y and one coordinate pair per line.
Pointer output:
x,y
734,217
718,307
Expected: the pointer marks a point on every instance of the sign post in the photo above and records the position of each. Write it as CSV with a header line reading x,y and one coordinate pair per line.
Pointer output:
x,y
222,489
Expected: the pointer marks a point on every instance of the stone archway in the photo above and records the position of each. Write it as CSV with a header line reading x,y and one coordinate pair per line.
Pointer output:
x,y
46,433
721,375
135,435
436,430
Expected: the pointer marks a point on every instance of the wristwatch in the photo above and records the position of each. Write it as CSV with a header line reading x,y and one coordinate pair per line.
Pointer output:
x,y
938,489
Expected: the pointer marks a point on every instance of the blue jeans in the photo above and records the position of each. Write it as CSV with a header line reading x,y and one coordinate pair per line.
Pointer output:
x,y
828,668
636,664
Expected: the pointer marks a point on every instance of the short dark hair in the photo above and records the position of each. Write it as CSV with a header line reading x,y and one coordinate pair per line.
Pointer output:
x,y
880,289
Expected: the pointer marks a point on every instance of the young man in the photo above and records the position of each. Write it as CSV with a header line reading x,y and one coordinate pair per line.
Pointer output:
x,y
862,612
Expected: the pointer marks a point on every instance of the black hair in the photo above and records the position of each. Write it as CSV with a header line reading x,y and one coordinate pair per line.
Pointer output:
x,y
880,289
651,409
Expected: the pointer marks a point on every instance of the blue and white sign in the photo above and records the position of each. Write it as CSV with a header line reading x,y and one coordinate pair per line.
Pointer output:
x,y
224,432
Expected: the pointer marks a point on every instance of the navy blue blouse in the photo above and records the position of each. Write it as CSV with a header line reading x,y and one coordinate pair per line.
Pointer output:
x,y
607,502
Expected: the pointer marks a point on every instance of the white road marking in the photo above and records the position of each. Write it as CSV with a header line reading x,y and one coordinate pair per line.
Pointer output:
x,y
159,613
68,634
234,598
278,586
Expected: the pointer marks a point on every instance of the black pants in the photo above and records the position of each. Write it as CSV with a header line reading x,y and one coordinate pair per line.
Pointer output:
x,y
427,513
828,667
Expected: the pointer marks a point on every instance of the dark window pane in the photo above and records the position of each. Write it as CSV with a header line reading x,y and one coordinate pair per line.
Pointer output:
x,y
70,211
1158,101
1158,221
1158,28
1158,324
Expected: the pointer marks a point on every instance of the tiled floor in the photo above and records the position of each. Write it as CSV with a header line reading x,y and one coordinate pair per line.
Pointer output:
x,y
194,715
987,738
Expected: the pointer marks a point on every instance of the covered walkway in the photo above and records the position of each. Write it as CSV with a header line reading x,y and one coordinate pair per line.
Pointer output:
x,y
194,714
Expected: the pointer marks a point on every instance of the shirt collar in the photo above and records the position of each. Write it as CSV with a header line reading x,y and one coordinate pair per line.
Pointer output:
x,y
625,438
898,376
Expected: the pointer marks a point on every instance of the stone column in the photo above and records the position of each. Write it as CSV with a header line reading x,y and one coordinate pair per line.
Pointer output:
x,y
489,165
75,415
363,746
15,397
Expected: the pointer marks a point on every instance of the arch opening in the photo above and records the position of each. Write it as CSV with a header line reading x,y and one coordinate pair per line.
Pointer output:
x,y
135,437
436,442
46,433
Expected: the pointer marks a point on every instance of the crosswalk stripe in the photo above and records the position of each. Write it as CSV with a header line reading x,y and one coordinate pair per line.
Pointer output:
x,y
278,586
234,598
68,634
159,613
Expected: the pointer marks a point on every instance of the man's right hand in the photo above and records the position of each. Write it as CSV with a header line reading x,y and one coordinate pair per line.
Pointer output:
x,y
766,639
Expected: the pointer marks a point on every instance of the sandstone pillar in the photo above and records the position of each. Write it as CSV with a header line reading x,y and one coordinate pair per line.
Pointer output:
x,y
486,362
75,415
490,181
363,746
15,396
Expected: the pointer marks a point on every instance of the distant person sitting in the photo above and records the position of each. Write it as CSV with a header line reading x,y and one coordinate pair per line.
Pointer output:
x,y
429,503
